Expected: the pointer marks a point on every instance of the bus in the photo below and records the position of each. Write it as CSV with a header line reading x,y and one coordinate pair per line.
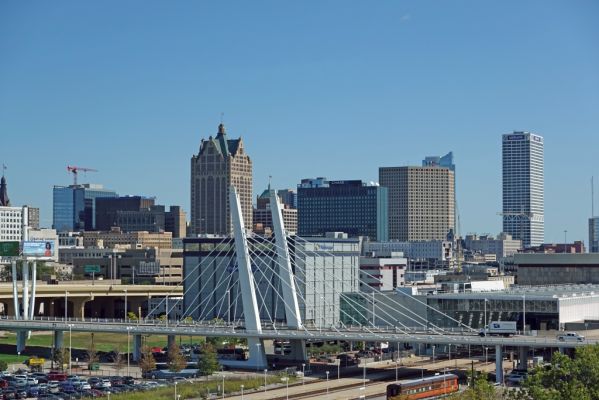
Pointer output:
x,y
424,388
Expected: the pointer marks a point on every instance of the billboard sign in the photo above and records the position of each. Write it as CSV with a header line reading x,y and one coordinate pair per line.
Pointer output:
x,y
9,249
38,248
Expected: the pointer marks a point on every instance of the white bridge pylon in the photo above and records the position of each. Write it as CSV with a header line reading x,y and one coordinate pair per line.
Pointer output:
x,y
247,286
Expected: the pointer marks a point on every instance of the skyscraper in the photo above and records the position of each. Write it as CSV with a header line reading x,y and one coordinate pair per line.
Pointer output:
x,y
523,193
221,162
440,161
421,202
74,206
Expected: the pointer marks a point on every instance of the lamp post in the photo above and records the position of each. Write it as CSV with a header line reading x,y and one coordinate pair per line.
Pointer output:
x,y
485,315
524,314
70,350
303,373
433,354
175,390
66,303
128,336
265,371
241,392
167,310
126,305
327,383
223,376
228,307
364,376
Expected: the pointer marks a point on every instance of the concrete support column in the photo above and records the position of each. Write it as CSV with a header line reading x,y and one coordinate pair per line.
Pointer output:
x,y
523,358
58,339
498,364
298,350
170,340
21,340
136,355
78,305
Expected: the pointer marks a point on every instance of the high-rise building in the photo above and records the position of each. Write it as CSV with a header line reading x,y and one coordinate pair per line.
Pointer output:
x,y
523,193
220,163
594,235
13,224
353,207
110,210
74,206
421,202
33,217
262,218
175,221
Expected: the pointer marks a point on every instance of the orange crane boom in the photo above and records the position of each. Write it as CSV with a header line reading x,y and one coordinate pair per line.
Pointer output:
x,y
75,170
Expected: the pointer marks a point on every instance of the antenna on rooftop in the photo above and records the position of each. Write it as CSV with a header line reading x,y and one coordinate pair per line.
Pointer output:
x,y
222,117
592,198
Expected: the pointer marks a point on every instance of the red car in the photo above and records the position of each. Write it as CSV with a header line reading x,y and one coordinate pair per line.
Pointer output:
x,y
57,376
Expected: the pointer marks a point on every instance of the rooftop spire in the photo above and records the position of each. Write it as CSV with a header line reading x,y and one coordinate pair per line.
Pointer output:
x,y
4,200
221,129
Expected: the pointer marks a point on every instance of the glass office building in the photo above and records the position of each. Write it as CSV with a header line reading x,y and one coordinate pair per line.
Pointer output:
x,y
74,206
353,207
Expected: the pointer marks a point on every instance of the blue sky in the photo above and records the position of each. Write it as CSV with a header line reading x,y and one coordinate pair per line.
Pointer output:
x,y
319,88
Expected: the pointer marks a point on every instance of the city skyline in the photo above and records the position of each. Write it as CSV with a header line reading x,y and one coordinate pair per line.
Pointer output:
x,y
413,80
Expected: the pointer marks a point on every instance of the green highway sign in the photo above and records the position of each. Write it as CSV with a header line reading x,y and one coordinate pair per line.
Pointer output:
x,y
88,269
9,249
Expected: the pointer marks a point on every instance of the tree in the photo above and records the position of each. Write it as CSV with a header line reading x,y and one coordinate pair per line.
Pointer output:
x,y
481,389
62,357
176,360
208,362
92,354
3,365
147,361
132,316
117,359
565,378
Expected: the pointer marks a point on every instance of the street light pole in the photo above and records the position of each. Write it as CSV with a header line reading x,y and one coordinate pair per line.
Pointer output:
x,y
70,350
126,305
265,371
128,357
303,373
66,302
229,307
524,313
327,383
485,327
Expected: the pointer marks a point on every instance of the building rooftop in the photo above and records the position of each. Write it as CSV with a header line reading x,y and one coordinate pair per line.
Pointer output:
x,y
531,292
556,259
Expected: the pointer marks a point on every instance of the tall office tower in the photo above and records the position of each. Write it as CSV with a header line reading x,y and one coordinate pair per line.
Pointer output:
x,y
523,204
74,206
130,213
594,235
353,207
221,162
421,202
175,221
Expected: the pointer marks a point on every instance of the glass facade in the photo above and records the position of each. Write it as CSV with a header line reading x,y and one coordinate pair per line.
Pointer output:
x,y
74,206
594,235
343,206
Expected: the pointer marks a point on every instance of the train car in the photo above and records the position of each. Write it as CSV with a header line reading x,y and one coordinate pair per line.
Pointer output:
x,y
425,388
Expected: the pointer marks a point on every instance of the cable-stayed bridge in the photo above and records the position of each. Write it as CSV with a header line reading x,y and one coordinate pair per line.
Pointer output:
x,y
285,288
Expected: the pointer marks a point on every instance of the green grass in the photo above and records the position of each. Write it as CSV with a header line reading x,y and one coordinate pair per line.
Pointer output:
x,y
13,358
200,389
102,341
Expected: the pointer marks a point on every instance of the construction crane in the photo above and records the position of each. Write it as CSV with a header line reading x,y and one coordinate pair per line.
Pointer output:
x,y
75,170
